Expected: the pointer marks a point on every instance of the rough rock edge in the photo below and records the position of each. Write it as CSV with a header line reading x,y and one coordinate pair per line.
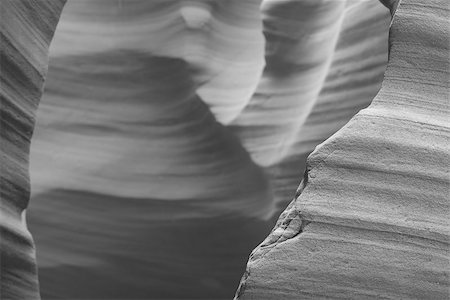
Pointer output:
x,y
289,225
291,222
392,5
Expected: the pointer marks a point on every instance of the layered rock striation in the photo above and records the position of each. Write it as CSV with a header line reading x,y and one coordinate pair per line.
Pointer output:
x,y
131,155
26,29
371,216
170,131
158,137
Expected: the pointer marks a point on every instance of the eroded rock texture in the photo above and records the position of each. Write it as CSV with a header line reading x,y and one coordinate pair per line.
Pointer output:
x,y
26,31
164,140
130,159
353,75
371,217
168,133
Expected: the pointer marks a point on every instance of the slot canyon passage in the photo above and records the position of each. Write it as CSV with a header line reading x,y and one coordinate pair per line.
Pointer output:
x,y
171,134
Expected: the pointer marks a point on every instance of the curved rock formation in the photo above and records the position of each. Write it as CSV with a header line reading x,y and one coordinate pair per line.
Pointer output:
x,y
26,31
353,78
135,122
371,216
217,39
129,158
163,142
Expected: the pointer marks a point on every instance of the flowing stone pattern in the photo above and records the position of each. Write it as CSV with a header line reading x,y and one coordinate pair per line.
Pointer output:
x,y
169,128
152,148
370,219
26,29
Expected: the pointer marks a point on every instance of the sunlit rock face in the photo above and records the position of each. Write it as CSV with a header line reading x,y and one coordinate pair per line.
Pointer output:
x,y
370,219
170,132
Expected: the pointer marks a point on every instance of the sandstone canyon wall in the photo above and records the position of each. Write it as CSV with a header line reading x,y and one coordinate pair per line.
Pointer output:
x,y
171,132
371,216
26,30
166,143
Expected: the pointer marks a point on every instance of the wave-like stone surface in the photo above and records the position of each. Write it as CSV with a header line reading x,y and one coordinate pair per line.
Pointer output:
x,y
134,146
139,116
130,159
217,39
324,62
169,129
353,79
371,217
26,29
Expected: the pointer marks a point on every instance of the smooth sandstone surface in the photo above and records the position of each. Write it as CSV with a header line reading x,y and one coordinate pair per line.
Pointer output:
x,y
153,153
26,29
139,189
371,216
171,131
353,79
